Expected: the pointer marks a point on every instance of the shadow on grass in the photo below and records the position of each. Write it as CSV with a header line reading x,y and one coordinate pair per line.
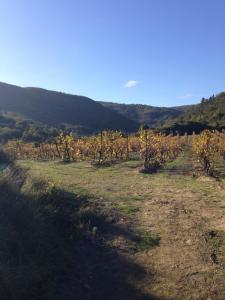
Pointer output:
x,y
220,169
4,160
50,250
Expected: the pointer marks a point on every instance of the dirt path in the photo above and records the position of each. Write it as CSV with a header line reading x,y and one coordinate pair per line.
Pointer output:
x,y
188,264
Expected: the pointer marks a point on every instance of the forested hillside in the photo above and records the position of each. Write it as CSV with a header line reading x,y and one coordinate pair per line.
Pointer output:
x,y
37,114
209,114
146,114
13,126
62,110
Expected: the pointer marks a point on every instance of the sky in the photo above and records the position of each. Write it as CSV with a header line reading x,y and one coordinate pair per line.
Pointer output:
x,y
156,52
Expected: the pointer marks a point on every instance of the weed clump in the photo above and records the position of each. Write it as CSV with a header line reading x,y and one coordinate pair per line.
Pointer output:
x,y
147,241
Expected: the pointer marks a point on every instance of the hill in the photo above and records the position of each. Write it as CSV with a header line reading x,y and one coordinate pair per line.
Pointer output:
x,y
146,114
36,114
13,126
210,113
62,110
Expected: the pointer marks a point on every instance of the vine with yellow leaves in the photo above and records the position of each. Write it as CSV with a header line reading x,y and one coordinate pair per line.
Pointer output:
x,y
207,147
103,148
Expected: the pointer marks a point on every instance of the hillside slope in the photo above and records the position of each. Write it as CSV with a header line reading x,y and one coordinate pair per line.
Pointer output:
x,y
56,109
13,126
146,114
210,113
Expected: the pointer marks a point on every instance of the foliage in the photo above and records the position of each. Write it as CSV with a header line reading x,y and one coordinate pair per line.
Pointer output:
x,y
13,126
206,147
209,114
156,149
104,148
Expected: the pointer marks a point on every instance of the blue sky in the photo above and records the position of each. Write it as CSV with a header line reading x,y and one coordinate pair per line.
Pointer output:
x,y
157,52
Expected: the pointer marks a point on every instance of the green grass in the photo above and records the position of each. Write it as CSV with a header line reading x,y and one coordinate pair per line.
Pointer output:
x,y
147,241
128,209
122,184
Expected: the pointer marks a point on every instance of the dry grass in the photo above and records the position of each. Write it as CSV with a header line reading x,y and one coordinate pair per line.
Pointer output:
x,y
172,205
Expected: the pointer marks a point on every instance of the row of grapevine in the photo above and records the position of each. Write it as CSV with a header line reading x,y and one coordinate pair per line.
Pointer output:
x,y
157,149
103,148
207,148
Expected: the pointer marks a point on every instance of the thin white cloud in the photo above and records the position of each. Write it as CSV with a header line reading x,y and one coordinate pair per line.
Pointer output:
x,y
130,83
185,96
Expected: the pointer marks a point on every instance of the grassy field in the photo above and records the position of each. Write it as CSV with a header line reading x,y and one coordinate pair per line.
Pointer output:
x,y
169,226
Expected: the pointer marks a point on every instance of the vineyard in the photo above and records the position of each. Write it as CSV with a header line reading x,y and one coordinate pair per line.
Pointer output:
x,y
109,147
207,148
100,218
170,224
104,148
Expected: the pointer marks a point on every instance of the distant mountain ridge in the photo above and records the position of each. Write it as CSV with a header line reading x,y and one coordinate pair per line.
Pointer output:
x,y
40,112
145,114
57,109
